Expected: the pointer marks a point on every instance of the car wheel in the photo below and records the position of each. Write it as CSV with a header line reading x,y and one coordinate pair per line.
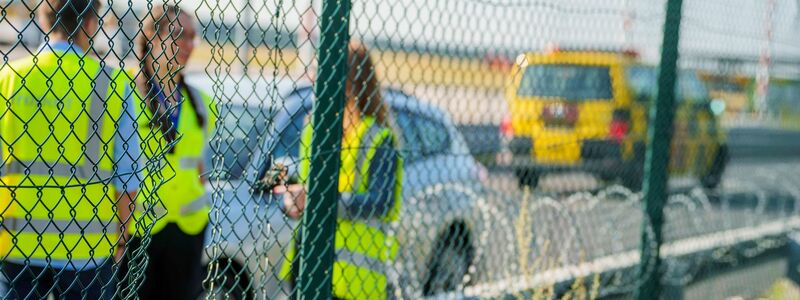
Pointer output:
x,y
449,263
714,175
607,176
229,282
633,172
528,178
634,176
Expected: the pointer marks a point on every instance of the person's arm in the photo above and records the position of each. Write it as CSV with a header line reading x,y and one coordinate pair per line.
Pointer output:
x,y
127,153
211,126
125,207
379,198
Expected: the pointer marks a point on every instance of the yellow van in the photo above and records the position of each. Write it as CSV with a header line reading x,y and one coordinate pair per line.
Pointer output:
x,y
587,111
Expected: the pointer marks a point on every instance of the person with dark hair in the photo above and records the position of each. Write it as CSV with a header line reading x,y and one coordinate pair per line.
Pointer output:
x,y
69,158
370,184
185,117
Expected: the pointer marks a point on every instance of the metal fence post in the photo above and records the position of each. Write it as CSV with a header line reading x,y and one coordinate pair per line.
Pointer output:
x,y
319,221
659,138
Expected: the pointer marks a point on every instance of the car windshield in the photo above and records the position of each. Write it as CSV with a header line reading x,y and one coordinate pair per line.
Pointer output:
x,y
235,140
566,82
782,96
291,120
423,136
643,81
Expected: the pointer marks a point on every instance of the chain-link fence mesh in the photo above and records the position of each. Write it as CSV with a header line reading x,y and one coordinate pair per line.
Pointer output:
x,y
405,149
84,155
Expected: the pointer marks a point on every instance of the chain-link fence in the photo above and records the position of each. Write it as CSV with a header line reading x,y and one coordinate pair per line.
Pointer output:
x,y
85,153
400,149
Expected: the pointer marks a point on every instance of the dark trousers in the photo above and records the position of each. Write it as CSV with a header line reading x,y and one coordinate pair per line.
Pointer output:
x,y
174,268
31,282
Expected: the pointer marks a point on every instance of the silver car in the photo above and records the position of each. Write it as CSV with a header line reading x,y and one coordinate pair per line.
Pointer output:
x,y
248,234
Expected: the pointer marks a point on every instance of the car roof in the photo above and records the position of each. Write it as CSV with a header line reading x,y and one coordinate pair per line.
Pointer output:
x,y
396,99
241,90
587,58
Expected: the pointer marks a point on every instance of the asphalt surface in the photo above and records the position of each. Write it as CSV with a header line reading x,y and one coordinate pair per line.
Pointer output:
x,y
574,218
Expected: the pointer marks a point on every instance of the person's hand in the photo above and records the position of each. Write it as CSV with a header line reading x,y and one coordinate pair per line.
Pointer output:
x,y
119,253
294,200
122,243
275,178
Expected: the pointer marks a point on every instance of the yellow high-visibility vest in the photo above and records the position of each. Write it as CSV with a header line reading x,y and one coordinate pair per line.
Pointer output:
x,y
364,249
180,197
58,122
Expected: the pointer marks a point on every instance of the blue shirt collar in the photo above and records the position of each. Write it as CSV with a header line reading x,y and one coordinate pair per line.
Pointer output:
x,y
61,46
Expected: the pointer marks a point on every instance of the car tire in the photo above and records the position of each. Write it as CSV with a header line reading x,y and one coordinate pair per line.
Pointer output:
x,y
232,283
527,178
449,262
713,177
607,176
633,180
633,171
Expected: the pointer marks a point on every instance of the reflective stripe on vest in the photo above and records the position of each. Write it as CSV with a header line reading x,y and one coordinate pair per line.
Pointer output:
x,y
189,162
186,209
88,170
361,260
194,206
41,226
361,157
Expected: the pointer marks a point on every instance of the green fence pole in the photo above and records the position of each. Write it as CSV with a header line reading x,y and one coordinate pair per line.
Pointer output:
x,y
659,138
319,220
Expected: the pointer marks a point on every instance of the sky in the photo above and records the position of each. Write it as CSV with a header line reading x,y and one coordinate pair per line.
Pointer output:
x,y
729,27
735,28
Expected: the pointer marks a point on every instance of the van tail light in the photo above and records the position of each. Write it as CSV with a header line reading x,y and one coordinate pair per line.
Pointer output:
x,y
506,129
620,125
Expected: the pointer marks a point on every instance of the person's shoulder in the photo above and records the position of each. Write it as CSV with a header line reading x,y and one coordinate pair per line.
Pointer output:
x,y
18,67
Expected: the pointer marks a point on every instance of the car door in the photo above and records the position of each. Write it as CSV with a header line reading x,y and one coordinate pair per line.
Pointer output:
x,y
428,152
699,143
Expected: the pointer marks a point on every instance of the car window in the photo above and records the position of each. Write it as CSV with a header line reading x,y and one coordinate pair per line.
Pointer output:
x,y
435,138
691,88
783,96
643,82
566,82
288,143
235,140
422,136
412,142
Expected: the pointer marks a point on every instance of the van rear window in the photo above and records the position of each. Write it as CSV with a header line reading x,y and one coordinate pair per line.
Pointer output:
x,y
566,82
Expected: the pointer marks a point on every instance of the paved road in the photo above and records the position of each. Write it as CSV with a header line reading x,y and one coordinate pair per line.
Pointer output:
x,y
573,218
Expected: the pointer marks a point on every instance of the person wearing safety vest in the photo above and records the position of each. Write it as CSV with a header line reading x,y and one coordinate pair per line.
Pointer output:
x,y
370,177
70,153
184,119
